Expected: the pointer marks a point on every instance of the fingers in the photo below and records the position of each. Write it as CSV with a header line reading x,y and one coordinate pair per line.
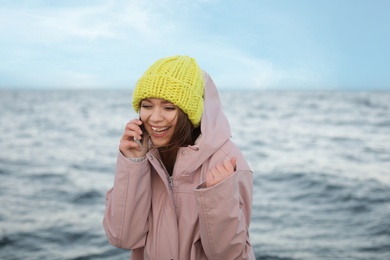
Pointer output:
x,y
130,144
234,161
227,166
133,129
137,141
220,172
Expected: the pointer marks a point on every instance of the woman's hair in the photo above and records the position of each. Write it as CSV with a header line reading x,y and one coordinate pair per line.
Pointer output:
x,y
184,134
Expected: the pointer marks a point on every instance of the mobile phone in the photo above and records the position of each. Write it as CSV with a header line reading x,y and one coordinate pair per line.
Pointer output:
x,y
143,131
139,142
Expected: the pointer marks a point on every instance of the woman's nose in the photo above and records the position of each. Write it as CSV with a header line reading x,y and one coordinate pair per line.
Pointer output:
x,y
156,115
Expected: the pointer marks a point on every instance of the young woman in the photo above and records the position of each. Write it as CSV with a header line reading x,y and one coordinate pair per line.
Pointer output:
x,y
182,189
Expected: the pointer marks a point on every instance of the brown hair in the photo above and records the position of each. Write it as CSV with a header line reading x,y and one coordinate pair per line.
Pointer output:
x,y
184,134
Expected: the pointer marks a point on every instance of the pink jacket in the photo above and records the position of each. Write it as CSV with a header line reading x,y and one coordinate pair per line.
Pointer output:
x,y
177,218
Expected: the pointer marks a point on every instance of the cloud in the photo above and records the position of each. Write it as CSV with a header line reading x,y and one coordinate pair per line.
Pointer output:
x,y
232,67
111,42
103,20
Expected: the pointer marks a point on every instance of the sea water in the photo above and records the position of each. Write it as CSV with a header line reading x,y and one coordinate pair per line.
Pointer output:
x,y
321,165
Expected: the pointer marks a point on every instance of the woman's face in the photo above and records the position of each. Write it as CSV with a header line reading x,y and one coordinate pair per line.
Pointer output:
x,y
159,118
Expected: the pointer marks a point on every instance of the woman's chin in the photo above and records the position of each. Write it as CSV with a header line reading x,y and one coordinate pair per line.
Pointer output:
x,y
158,142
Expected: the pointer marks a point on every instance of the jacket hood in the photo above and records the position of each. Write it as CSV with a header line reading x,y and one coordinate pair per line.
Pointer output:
x,y
215,128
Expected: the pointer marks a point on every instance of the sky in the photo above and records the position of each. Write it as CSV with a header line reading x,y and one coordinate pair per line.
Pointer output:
x,y
272,44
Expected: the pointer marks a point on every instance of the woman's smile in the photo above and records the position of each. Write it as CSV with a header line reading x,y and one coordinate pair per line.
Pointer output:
x,y
159,129
159,132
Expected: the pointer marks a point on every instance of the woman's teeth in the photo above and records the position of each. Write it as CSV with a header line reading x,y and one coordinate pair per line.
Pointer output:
x,y
159,129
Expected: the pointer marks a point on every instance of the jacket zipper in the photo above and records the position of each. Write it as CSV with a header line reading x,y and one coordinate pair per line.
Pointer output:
x,y
170,184
170,181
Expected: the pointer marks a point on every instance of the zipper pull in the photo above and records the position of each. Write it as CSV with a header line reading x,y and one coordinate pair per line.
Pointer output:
x,y
170,184
170,181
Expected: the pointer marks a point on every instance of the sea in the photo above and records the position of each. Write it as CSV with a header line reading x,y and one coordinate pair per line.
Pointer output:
x,y
320,160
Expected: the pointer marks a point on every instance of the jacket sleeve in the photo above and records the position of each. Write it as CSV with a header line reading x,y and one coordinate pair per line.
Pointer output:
x,y
128,204
224,217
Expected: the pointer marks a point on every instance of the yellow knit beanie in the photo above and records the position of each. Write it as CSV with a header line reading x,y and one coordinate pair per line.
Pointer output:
x,y
177,79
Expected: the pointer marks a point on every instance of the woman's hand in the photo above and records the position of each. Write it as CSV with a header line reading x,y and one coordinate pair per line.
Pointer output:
x,y
220,172
128,146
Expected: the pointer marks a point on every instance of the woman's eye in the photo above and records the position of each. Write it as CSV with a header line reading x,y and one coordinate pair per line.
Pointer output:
x,y
170,108
145,106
